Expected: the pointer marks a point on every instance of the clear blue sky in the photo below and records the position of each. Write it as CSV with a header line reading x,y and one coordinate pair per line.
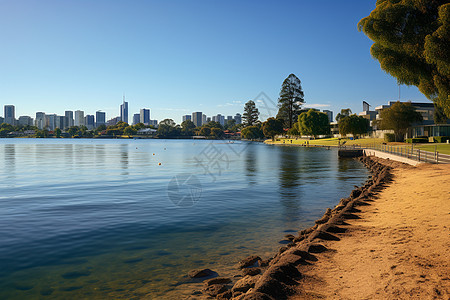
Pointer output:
x,y
176,57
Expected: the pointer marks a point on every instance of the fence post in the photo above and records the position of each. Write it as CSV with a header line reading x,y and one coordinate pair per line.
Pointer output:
x,y
418,154
437,157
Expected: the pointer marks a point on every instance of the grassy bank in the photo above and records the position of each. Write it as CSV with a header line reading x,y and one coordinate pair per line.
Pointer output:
x,y
334,142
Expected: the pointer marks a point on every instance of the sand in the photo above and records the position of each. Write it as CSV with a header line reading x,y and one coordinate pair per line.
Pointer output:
x,y
399,249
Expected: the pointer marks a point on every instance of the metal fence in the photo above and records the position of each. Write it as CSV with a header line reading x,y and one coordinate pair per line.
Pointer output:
x,y
408,152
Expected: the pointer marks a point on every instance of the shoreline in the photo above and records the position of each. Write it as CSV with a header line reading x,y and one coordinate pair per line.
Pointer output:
x,y
277,277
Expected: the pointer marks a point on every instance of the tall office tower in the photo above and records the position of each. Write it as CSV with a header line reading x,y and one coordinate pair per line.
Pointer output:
x,y
229,118
197,118
238,118
2,120
329,114
187,117
220,119
144,116
50,121
208,119
25,120
9,115
136,118
40,120
60,122
124,111
79,118
89,121
100,118
203,119
68,122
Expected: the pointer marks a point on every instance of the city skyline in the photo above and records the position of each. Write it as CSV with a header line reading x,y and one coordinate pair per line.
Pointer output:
x,y
182,57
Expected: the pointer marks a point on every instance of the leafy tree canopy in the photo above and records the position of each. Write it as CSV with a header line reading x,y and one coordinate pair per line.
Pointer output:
x,y
354,125
271,127
252,133
412,43
345,112
399,118
314,123
290,100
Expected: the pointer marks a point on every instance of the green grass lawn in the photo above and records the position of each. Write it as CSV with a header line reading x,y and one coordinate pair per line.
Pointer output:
x,y
441,148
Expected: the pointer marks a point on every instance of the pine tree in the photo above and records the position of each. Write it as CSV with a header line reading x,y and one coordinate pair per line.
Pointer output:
x,y
290,100
251,114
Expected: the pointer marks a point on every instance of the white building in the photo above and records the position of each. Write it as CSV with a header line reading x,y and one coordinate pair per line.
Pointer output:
x,y
79,118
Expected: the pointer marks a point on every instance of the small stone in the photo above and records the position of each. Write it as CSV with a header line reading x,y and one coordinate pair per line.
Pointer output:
x,y
215,289
249,261
251,271
201,273
217,280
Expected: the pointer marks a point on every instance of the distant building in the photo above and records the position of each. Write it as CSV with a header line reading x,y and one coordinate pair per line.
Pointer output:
x,y
208,119
40,121
136,119
60,122
90,122
113,121
329,114
124,111
144,116
68,121
25,120
2,120
100,118
229,118
204,119
187,117
153,123
197,118
79,118
238,118
50,121
9,116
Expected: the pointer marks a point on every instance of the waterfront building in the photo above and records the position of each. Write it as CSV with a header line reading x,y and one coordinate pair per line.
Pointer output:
x,y
9,116
50,121
89,122
187,117
60,122
329,114
136,118
144,116
25,120
113,121
197,118
100,118
79,118
238,118
68,119
40,121
124,111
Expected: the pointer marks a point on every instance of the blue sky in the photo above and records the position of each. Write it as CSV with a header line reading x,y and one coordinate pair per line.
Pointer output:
x,y
176,57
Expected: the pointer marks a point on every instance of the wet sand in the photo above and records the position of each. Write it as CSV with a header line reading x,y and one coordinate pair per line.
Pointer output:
x,y
398,249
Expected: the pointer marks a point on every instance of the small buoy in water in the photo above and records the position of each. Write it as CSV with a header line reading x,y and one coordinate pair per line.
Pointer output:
x,y
136,147
153,153
164,148
159,164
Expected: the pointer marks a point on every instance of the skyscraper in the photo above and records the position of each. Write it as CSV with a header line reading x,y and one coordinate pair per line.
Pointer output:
x,y
40,120
68,121
60,122
51,121
79,118
144,116
9,116
136,118
124,111
25,120
238,118
187,117
90,122
197,118
100,118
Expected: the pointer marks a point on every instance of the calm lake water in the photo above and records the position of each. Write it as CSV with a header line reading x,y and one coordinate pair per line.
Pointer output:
x,y
125,219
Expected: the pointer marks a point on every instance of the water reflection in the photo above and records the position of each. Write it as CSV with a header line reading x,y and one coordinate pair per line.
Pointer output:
x,y
124,159
10,161
250,164
290,181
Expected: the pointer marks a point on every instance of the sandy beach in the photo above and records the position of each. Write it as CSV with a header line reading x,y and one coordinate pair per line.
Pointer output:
x,y
398,249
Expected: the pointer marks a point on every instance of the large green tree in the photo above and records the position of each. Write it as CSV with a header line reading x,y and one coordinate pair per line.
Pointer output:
x,y
399,117
251,114
353,124
345,112
290,100
412,43
271,127
252,133
313,123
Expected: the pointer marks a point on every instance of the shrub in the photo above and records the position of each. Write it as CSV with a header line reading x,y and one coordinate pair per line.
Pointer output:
x,y
441,139
389,137
417,140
